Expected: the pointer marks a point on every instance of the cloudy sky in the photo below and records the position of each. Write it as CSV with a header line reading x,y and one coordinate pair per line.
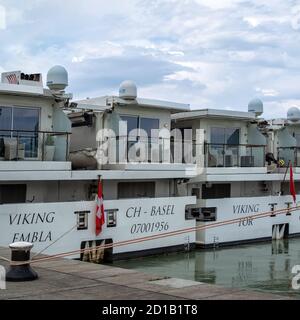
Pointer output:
x,y
209,53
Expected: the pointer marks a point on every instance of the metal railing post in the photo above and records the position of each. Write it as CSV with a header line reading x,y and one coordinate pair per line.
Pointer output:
x,y
17,151
43,146
67,146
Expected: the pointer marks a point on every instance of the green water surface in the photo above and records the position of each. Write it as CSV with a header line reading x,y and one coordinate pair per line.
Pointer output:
x,y
262,267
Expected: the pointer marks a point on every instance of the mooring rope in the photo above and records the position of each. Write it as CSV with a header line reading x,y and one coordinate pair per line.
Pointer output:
x,y
160,236
5,259
168,234
52,243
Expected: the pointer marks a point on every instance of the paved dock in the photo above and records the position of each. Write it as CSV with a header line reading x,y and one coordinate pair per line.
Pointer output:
x,y
62,279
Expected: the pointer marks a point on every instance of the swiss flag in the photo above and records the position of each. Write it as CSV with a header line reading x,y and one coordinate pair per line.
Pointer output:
x,y
100,219
292,184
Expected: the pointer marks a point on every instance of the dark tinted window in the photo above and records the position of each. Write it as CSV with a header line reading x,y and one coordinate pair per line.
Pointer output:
x,y
232,136
128,190
217,135
148,124
26,119
5,120
225,136
216,191
12,193
132,122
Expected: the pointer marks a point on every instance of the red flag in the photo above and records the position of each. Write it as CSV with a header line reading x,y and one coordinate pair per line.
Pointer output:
x,y
292,184
100,219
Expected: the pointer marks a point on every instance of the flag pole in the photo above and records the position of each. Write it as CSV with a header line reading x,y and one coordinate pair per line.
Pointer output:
x,y
99,181
100,219
292,184
287,168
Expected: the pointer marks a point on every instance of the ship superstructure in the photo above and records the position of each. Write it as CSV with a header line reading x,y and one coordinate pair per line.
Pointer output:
x,y
244,174
167,172
52,161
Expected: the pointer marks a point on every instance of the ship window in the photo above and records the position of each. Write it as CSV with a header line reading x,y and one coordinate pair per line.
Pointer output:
x,y
216,191
27,119
12,193
5,120
127,190
217,135
225,136
132,122
147,124
232,136
24,119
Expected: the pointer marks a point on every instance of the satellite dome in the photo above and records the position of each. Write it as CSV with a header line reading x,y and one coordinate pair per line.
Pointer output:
x,y
293,114
57,78
256,106
128,90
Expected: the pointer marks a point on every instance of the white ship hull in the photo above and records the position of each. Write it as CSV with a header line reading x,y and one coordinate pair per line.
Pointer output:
x,y
44,223
248,229
54,225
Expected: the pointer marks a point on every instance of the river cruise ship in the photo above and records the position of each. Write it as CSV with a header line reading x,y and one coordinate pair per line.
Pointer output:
x,y
51,163
166,172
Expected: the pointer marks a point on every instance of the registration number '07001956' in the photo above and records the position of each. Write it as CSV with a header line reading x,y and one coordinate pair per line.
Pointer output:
x,y
149,227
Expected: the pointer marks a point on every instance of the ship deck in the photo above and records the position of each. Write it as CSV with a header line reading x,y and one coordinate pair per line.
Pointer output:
x,y
62,279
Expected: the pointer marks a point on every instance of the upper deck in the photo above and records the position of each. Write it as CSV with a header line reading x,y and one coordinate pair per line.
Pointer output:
x,y
34,130
232,142
45,136
129,135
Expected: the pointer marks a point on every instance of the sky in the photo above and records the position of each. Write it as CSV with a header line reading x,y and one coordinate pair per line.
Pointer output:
x,y
207,53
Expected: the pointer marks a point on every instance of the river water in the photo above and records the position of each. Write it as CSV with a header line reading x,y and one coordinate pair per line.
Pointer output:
x,y
262,267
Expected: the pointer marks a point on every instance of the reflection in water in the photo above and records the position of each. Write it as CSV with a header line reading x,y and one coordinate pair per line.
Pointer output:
x,y
280,246
263,267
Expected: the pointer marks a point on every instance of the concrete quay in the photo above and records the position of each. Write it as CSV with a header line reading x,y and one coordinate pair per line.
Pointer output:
x,y
63,279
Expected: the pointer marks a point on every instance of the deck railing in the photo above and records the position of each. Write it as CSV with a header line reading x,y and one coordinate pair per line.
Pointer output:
x,y
289,154
148,150
160,150
234,155
34,145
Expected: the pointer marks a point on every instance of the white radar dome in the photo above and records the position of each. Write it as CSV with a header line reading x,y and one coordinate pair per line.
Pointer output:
x,y
128,90
256,106
57,78
293,114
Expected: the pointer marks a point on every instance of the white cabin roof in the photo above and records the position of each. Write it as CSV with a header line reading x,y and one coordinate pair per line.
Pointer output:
x,y
103,103
24,90
214,113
